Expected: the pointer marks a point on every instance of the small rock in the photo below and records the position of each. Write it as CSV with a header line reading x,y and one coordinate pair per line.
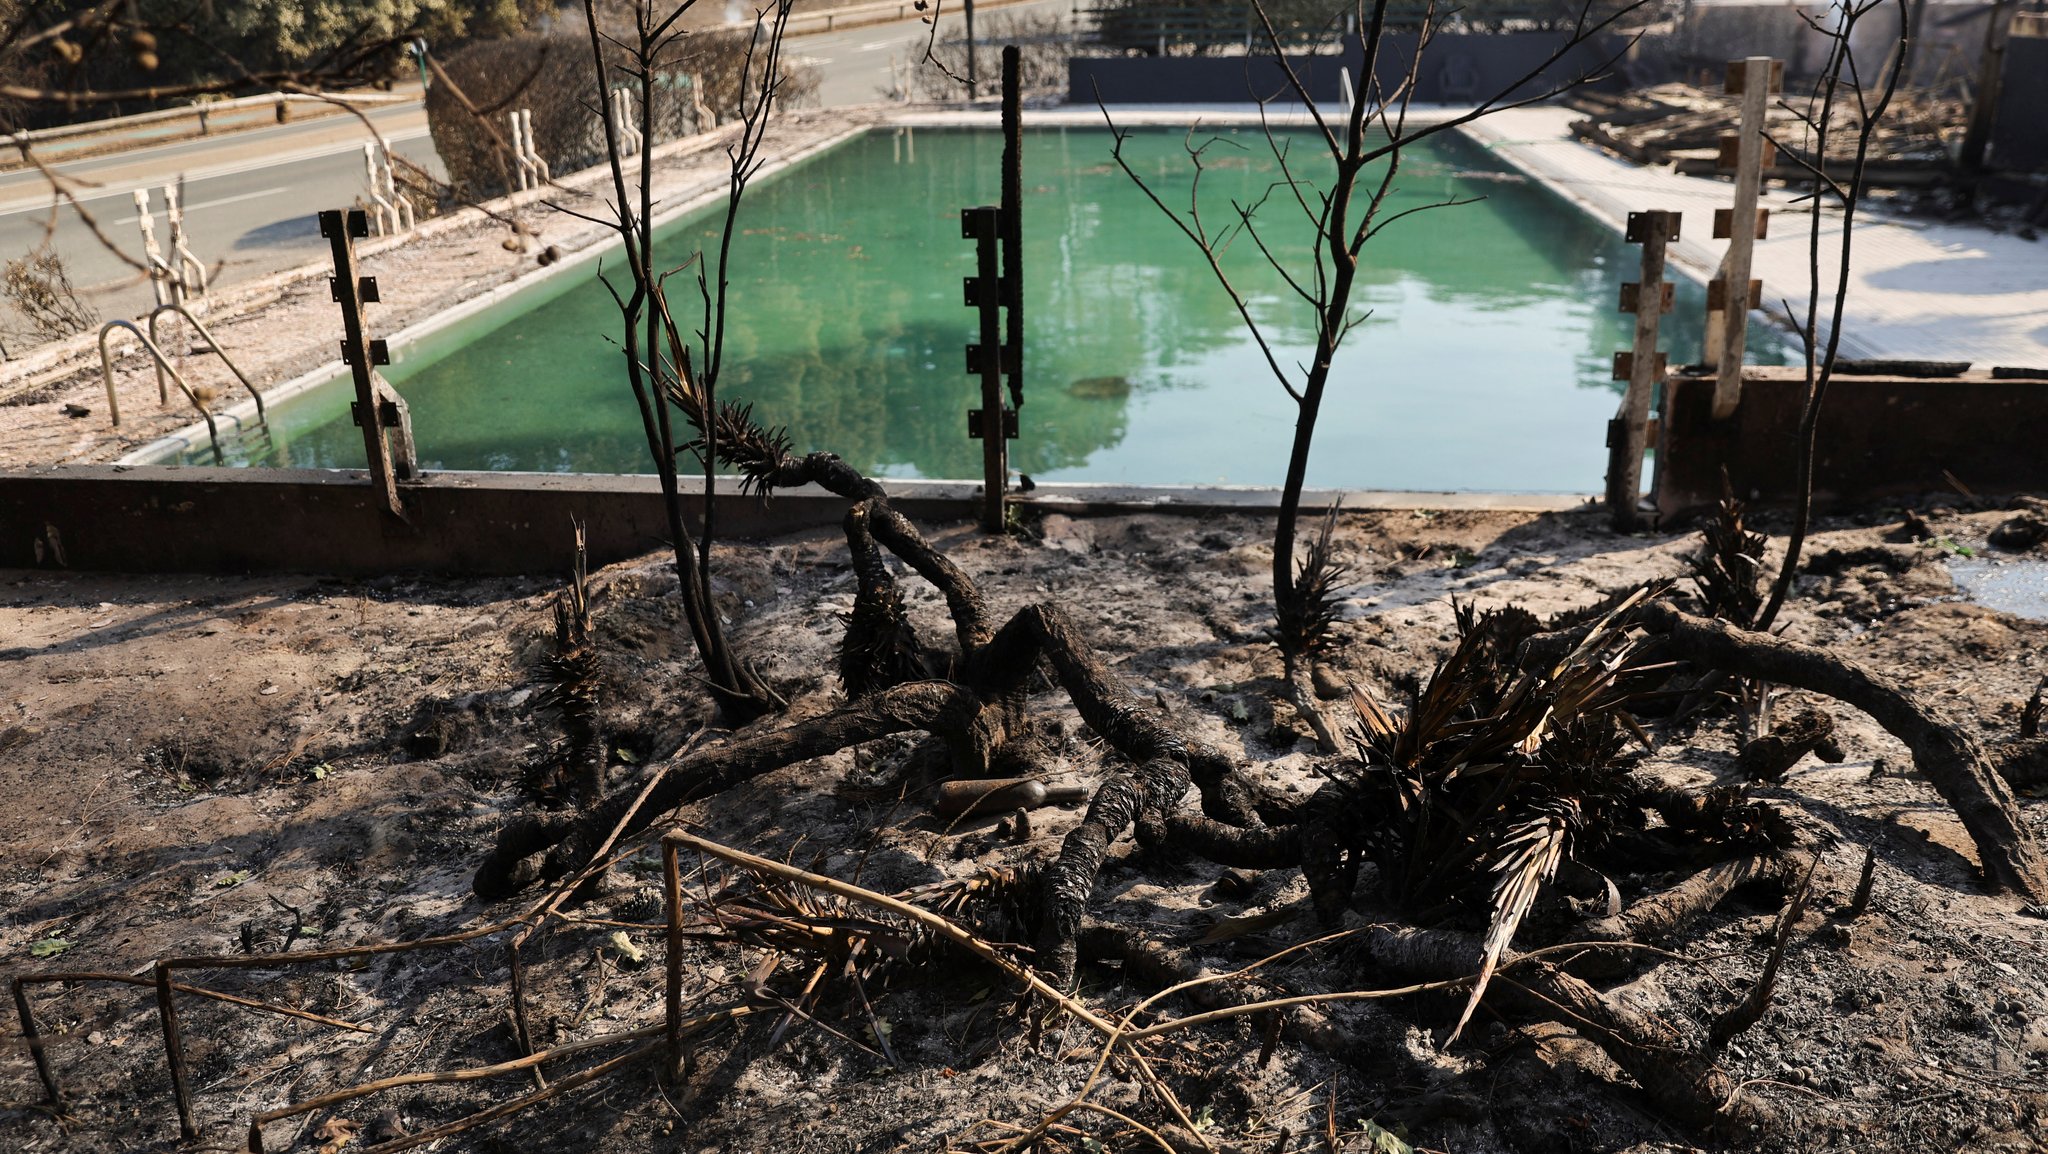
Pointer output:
x,y
75,411
1235,885
2020,533
387,1127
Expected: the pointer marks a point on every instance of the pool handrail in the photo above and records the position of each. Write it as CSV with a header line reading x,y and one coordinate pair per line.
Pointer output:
x,y
179,308
163,365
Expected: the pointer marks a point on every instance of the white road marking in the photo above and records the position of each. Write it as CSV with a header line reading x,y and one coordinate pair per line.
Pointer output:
x,y
212,203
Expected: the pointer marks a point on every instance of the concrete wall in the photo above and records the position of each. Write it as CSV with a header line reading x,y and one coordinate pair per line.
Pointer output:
x,y
1456,68
162,519
154,519
1878,436
1698,41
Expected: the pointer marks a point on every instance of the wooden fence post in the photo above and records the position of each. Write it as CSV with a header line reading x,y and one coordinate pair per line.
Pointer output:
x,y
1642,367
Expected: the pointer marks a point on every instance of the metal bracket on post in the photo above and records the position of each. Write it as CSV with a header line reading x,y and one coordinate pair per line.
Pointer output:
x,y
1749,152
362,354
1642,366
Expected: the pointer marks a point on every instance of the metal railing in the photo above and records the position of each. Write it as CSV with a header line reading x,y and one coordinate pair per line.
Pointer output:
x,y
163,365
211,344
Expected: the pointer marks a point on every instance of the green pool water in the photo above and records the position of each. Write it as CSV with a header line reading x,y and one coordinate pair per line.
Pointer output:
x,y
1484,363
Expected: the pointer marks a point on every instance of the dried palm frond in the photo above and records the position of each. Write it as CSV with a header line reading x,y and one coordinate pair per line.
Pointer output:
x,y
728,427
742,444
1303,620
1450,787
1529,856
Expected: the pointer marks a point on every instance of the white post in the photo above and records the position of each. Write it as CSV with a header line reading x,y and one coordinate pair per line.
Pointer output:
x,y
380,209
191,271
700,111
402,216
538,166
631,140
519,153
153,256
1344,89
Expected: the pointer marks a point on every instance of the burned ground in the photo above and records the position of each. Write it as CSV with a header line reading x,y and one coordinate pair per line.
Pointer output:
x,y
208,765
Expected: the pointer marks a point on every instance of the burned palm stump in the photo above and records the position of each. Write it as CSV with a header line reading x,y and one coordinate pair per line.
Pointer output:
x,y
574,689
888,670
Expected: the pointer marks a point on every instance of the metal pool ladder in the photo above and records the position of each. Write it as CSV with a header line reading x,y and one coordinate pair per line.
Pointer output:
x,y
164,365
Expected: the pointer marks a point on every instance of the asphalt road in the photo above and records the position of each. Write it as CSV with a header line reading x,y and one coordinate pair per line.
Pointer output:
x,y
250,196
863,65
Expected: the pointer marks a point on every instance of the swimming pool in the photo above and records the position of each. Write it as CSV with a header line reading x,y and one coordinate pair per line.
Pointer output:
x,y
1483,361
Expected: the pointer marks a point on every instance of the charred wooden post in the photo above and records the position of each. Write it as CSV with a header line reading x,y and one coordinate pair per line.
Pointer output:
x,y
672,989
174,1052
993,423
31,1033
373,410
1732,294
1642,367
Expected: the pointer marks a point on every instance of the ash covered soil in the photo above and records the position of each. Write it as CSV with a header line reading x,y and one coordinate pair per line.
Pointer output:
x,y
220,765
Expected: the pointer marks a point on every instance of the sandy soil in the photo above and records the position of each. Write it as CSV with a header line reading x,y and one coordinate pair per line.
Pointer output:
x,y
204,765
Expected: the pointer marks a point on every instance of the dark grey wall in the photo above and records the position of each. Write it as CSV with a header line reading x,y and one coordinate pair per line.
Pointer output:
x,y
1880,436
2019,139
170,520
1455,68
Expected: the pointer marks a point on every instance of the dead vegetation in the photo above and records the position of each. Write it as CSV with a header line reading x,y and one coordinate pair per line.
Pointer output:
x,y
39,289
1502,815
1510,848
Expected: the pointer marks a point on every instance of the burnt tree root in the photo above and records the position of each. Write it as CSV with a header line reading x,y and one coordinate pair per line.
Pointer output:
x,y
1951,760
1680,1082
1258,847
1772,756
933,706
2024,763
1664,913
888,674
